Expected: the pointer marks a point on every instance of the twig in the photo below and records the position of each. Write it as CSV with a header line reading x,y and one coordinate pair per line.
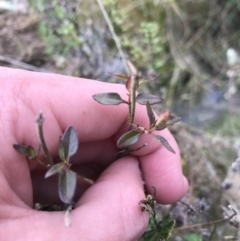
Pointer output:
x,y
40,121
20,64
207,224
114,35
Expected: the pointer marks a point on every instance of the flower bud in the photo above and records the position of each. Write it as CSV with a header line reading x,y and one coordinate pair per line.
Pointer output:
x,y
162,120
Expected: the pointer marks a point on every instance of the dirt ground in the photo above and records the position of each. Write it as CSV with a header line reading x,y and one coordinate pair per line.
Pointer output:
x,y
19,41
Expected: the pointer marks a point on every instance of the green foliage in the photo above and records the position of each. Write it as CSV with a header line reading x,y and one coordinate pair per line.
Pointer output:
x,y
156,230
146,44
192,237
162,231
57,27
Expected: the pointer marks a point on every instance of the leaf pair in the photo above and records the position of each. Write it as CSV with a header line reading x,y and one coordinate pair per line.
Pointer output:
x,y
133,81
27,151
133,136
67,179
162,122
112,98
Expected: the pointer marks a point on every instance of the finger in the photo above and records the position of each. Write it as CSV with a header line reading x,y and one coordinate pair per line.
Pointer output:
x,y
108,210
64,101
118,192
162,170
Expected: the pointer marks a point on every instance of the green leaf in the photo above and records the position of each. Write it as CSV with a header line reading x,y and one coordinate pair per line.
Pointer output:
x,y
152,223
164,142
56,168
165,227
150,113
61,150
108,98
142,99
27,151
151,235
70,142
128,139
67,185
162,231
192,237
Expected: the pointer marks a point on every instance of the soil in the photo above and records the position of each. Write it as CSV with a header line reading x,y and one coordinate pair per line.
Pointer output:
x,y
19,41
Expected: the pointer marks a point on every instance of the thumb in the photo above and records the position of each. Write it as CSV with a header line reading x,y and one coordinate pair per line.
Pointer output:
x,y
111,204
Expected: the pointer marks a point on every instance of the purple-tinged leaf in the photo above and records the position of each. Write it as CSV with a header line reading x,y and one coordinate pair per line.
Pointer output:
x,y
126,151
119,76
142,99
108,98
172,120
56,168
67,185
27,151
150,113
128,139
164,142
70,142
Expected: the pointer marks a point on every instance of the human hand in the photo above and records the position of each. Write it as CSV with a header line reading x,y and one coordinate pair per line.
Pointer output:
x,y
107,210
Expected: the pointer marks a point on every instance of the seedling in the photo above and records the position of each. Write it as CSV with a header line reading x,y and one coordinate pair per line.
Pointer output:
x,y
132,83
157,230
68,142
67,179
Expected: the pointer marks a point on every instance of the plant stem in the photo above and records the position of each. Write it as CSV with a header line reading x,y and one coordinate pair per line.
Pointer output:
x,y
207,224
40,121
114,35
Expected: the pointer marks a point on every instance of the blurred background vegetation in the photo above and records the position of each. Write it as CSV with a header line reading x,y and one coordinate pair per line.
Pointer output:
x,y
181,45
